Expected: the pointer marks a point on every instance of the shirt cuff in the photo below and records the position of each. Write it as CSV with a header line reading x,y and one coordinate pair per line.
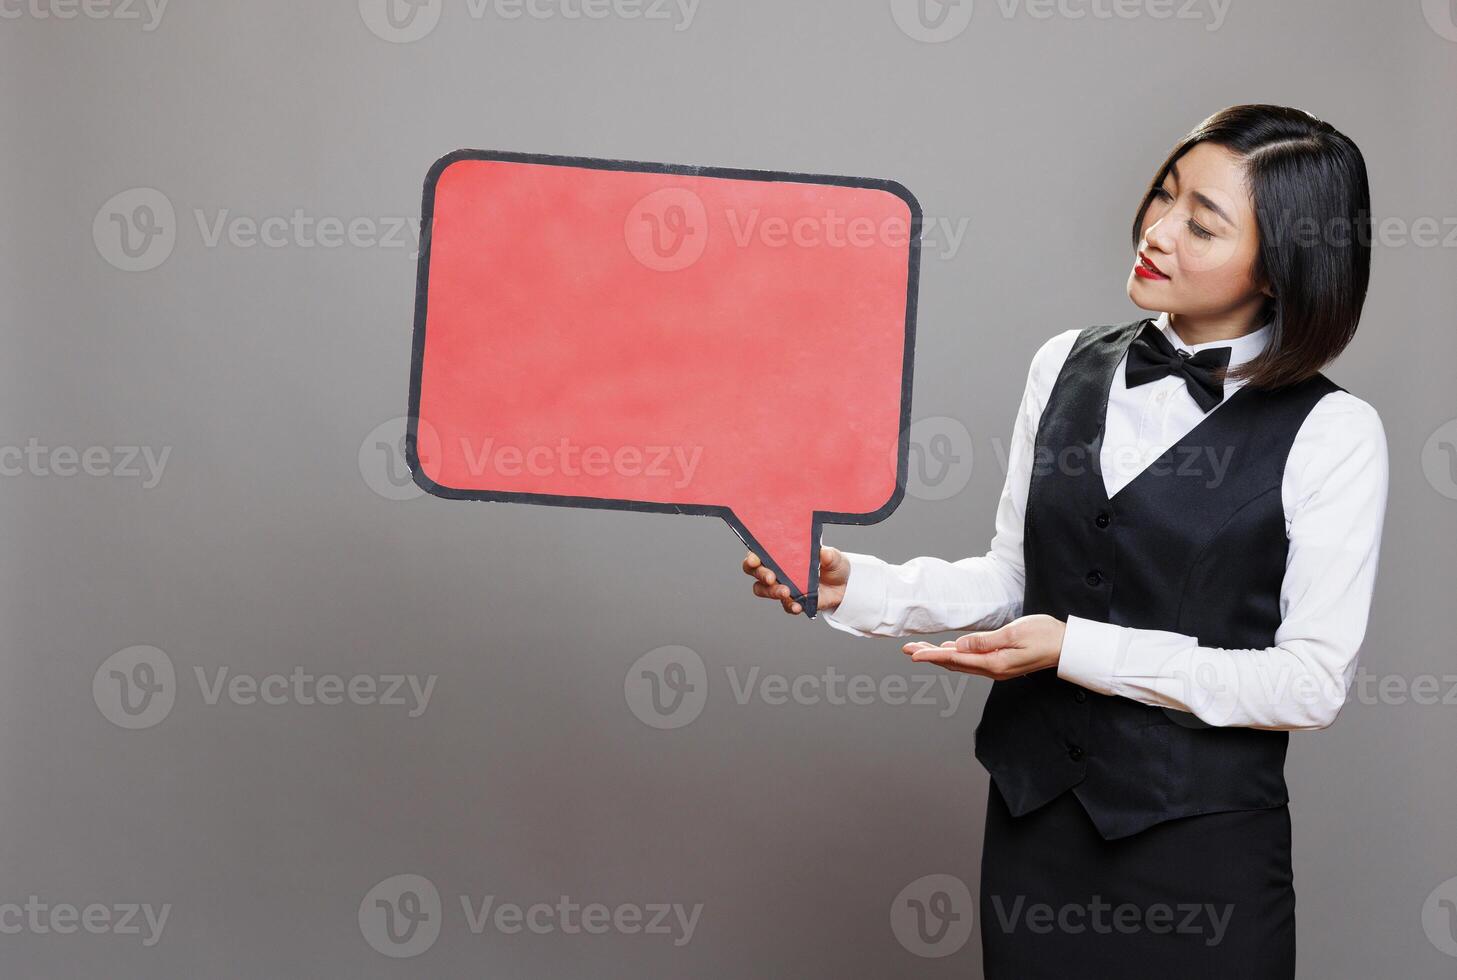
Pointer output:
x,y
1089,654
863,608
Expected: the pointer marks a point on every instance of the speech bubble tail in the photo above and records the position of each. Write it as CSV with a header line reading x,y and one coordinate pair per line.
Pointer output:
x,y
811,604
788,542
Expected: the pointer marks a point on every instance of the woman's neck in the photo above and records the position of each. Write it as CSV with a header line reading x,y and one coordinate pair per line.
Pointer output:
x,y
1223,326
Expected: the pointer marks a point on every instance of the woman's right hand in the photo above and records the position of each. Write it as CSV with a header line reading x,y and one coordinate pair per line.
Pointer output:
x,y
834,575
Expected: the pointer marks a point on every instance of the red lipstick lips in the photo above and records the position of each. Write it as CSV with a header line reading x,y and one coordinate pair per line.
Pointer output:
x,y
1145,269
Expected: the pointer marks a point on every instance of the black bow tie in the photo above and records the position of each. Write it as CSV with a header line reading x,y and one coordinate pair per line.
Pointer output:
x,y
1151,357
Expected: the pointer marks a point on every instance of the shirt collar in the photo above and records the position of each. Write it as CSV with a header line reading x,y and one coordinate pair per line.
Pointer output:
x,y
1242,349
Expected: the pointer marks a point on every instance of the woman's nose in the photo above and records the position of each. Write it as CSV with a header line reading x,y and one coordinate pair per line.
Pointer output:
x,y
1158,235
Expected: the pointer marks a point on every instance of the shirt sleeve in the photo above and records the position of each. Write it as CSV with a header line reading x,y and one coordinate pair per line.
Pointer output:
x,y
931,595
1335,490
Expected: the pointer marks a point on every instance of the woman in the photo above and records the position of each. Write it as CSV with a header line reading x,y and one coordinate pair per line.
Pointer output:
x,y
1182,569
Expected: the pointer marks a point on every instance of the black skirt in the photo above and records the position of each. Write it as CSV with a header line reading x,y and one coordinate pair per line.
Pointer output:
x,y
1204,896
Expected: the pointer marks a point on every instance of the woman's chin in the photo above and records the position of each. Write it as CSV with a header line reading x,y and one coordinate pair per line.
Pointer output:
x,y
1145,296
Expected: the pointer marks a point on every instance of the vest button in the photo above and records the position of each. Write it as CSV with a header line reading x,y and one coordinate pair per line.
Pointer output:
x,y
1074,753
1094,578
1080,695
1102,520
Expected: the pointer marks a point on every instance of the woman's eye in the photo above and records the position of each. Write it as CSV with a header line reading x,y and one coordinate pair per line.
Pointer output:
x,y
1199,231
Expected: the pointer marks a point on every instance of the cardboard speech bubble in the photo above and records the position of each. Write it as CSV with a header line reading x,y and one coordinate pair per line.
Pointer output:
x,y
652,337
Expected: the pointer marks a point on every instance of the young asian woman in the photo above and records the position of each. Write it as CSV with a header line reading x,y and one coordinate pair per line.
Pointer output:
x,y
1185,552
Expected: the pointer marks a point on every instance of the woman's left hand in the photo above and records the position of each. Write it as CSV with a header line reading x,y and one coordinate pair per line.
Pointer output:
x,y
1022,646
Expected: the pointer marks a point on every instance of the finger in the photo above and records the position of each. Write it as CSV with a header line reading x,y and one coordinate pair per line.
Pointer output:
x,y
948,656
758,570
828,556
949,659
756,567
983,642
909,650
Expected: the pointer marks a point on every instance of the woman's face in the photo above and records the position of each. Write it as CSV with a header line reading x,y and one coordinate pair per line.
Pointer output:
x,y
1200,234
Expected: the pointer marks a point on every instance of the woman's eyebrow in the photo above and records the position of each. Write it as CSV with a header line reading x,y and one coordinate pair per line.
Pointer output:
x,y
1202,199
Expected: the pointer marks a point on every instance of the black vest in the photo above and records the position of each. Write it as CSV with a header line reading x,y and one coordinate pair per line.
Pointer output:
x,y
1194,544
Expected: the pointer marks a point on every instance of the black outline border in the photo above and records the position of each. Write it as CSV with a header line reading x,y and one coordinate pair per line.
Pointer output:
x,y
417,355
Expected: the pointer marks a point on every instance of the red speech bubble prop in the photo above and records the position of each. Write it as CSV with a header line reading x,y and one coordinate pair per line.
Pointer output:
x,y
599,333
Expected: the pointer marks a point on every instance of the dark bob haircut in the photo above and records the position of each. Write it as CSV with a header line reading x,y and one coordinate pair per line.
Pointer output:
x,y
1312,205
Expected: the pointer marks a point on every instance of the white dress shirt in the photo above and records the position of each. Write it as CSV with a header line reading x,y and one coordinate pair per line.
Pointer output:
x,y
1334,495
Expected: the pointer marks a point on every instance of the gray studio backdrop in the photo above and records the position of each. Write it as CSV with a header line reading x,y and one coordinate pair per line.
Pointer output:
x,y
266,712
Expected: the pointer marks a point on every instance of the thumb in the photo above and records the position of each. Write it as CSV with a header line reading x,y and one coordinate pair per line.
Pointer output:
x,y
829,557
983,642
